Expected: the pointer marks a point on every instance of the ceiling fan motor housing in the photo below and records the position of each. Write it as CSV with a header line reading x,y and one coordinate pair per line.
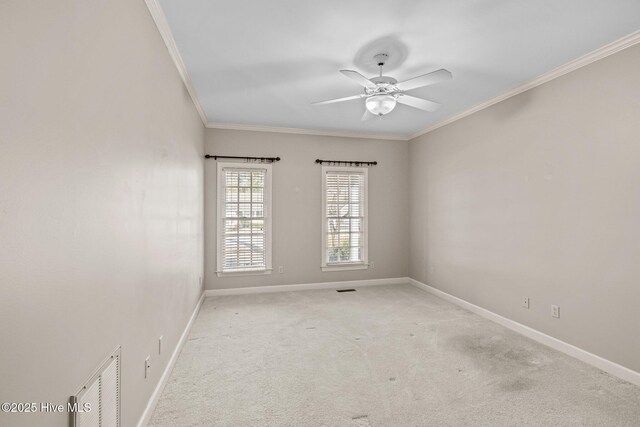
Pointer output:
x,y
384,86
384,80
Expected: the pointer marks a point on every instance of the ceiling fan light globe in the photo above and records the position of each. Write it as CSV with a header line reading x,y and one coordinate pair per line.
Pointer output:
x,y
380,104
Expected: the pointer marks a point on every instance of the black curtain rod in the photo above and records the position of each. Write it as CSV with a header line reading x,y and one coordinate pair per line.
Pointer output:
x,y
268,159
348,162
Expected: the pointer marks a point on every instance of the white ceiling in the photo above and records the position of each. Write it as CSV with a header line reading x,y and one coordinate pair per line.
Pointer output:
x,y
262,63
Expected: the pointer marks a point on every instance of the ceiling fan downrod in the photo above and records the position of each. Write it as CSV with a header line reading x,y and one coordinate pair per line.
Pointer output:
x,y
381,59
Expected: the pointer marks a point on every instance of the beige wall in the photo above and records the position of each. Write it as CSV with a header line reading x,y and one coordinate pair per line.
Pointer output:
x,y
539,196
100,201
297,200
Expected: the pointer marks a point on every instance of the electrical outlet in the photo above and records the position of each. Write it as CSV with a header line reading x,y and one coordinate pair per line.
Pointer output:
x,y
200,281
147,366
372,264
555,311
281,269
525,302
160,344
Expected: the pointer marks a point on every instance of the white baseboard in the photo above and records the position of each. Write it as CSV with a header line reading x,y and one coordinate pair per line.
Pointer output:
x,y
155,396
556,344
306,286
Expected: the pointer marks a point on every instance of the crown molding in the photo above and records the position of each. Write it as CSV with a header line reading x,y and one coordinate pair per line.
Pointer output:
x,y
165,31
163,27
253,128
600,53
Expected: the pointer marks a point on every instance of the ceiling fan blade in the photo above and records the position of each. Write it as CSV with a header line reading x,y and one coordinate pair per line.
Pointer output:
x,y
331,101
419,103
366,116
359,78
425,80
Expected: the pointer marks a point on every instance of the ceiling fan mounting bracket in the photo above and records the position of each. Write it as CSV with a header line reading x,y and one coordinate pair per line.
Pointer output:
x,y
381,59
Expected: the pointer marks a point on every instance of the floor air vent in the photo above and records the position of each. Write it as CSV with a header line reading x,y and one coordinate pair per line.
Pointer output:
x,y
345,290
97,404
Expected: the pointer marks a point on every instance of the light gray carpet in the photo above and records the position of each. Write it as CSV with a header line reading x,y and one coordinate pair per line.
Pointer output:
x,y
381,356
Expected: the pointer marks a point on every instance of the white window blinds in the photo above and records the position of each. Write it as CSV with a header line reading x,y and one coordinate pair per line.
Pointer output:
x,y
244,209
344,216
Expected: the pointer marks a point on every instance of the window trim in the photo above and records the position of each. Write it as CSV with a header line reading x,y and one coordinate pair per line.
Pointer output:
x,y
220,209
364,265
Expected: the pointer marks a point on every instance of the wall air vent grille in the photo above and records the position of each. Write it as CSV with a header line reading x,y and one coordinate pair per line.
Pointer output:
x,y
97,404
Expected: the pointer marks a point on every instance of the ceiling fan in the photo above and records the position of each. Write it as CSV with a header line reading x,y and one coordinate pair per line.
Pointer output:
x,y
383,92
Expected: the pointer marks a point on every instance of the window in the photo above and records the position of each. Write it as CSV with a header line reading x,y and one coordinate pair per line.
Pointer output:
x,y
244,218
344,223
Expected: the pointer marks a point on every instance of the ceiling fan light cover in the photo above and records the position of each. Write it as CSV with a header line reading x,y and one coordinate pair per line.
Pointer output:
x,y
380,104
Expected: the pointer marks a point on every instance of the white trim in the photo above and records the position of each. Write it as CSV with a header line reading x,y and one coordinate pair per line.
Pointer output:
x,y
345,267
244,273
165,31
155,396
556,344
267,215
364,263
570,66
307,286
299,131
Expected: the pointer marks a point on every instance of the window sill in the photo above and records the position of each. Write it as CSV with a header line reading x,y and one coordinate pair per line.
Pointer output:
x,y
243,273
344,267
